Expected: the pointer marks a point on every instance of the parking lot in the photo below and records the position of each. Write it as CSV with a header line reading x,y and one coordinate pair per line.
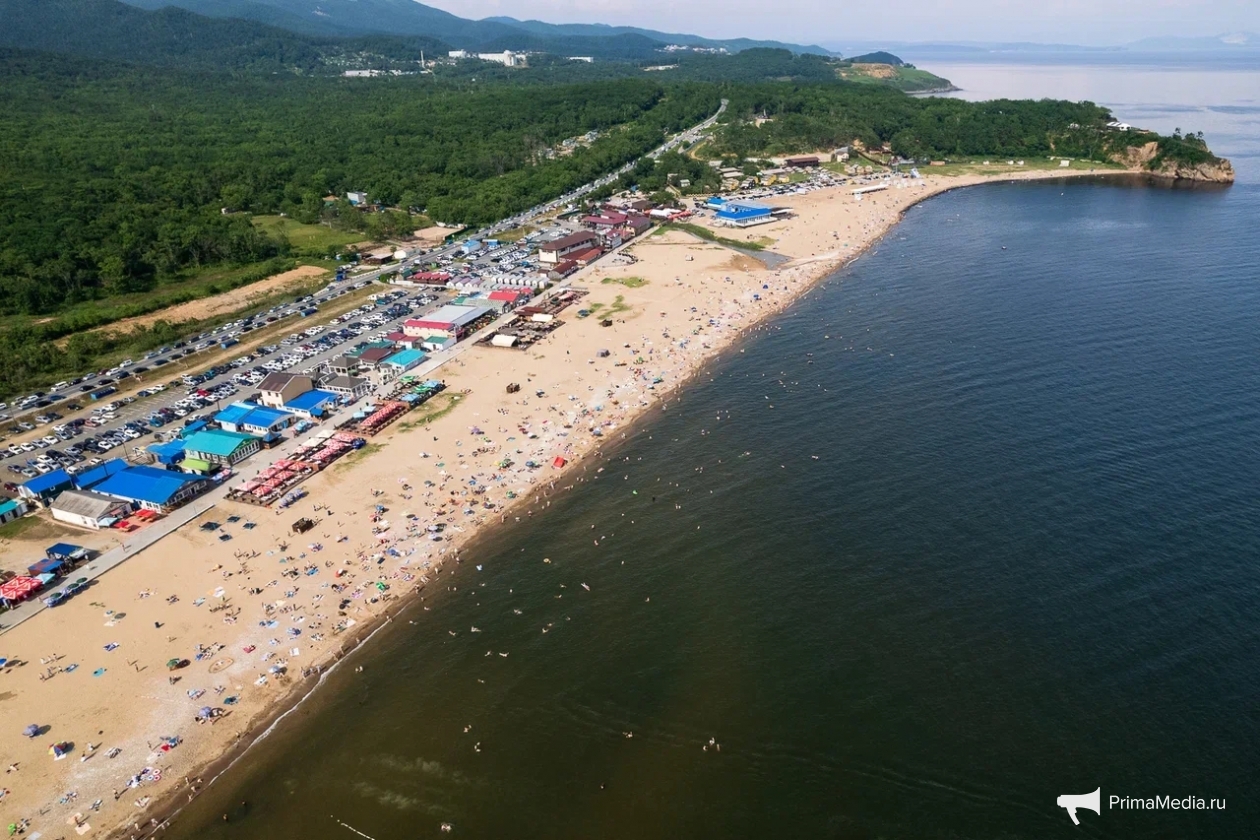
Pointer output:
x,y
112,426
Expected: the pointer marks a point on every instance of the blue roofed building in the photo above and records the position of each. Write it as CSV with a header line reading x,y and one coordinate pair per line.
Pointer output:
x,y
42,489
715,203
153,488
739,214
169,453
11,509
94,476
312,404
251,419
398,364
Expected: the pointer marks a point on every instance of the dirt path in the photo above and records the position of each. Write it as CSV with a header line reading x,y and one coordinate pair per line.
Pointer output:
x,y
237,299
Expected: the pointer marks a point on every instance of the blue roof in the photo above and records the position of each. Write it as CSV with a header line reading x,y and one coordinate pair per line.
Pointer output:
x,y
216,442
311,399
234,413
145,484
62,550
6,506
94,476
742,211
167,450
48,481
716,201
405,358
249,414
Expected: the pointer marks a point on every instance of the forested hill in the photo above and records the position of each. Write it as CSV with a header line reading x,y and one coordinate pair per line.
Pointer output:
x,y
170,36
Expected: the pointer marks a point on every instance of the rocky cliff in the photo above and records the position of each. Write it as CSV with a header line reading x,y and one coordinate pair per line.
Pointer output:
x,y
1145,159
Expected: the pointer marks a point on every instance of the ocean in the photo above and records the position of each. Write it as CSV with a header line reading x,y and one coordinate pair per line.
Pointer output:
x,y
973,525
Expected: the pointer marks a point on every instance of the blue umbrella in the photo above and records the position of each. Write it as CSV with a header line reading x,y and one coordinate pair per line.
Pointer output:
x,y
31,731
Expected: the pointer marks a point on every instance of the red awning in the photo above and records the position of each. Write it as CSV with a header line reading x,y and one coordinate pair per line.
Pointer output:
x,y
19,588
559,462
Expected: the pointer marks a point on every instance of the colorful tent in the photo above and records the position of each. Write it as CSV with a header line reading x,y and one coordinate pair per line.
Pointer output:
x,y
559,462
19,588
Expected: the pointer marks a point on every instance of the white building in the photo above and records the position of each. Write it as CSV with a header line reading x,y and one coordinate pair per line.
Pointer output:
x,y
507,58
587,58
88,510
457,54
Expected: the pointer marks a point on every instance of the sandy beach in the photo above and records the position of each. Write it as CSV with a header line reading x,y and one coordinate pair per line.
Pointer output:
x,y
257,617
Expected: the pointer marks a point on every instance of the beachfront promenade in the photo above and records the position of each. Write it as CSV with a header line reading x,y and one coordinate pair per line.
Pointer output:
x,y
166,526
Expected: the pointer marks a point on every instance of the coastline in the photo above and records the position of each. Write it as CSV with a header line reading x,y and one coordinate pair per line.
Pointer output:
x,y
712,270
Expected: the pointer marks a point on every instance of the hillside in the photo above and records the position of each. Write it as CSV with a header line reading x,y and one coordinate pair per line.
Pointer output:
x,y
406,17
111,30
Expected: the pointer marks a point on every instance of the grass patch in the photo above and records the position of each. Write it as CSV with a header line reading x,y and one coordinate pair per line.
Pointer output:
x,y
33,527
435,411
709,236
315,240
356,456
515,234
628,282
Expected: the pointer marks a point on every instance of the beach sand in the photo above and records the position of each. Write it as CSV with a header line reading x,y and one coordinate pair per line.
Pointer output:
x,y
269,599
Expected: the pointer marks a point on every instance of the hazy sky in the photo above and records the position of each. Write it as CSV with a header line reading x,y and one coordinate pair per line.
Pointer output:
x,y
1093,22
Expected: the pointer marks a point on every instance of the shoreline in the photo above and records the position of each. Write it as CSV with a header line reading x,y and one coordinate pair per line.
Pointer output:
x,y
800,275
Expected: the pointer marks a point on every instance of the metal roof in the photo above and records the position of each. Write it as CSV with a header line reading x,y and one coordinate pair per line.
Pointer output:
x,y
311,399
216,442
146,484
89,478
86,503
47,481
404,358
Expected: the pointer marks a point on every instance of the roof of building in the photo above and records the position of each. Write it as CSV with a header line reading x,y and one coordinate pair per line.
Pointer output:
x,y
376,354
587,256
47,481
234,413
249,414
277,381
197,465
742,211
311,399
85,503
342,361
403,358
146,484
8,505
439,339
570,241
90,478
347,382
216,442
505,294
449,316
167,450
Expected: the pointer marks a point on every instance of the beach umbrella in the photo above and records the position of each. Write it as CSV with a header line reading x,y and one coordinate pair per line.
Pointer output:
x,y
3,662
205,712
31,731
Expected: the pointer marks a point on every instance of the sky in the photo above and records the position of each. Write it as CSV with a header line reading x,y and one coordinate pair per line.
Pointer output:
x,y
1087,22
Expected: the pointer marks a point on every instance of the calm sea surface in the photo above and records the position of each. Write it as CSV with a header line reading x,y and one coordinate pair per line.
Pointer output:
x,y
1024,563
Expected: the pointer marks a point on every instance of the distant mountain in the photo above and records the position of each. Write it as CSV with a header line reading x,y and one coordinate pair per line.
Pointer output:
x,y
596,30
407,17
112,30
1236,42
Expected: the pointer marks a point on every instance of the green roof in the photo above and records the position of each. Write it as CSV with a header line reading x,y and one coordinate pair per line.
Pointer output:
x,y
196,464
216,442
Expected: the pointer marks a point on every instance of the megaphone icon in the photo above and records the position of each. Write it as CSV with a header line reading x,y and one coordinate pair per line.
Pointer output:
x,y
1080,800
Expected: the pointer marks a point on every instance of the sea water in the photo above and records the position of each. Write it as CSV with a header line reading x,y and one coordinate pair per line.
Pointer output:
x,y
974,525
